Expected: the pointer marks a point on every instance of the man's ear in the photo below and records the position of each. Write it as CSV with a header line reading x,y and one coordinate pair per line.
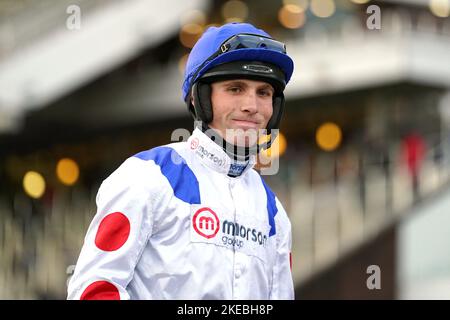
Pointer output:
x,y
201,101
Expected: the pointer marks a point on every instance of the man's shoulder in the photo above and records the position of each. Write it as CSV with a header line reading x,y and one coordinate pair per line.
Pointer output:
x,y
165,168
161,154
146,164
171,161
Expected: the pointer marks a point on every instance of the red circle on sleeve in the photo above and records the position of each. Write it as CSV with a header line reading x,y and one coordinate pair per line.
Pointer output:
x,y
101,290
112,232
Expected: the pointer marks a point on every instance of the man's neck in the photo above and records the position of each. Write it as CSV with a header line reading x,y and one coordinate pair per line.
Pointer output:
x,y
238,154
215,155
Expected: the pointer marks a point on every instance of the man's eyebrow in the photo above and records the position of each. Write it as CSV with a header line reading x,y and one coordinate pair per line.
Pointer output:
x,y
234,82
242,83
266,86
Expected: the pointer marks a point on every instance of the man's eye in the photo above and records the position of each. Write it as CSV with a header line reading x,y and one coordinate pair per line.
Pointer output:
x,y
265,93
235,89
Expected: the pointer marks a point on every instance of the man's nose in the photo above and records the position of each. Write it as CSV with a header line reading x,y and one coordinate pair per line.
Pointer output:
x,y
250,102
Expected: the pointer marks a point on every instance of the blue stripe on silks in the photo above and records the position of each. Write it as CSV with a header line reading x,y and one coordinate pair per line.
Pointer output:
x,y
183,181
271,208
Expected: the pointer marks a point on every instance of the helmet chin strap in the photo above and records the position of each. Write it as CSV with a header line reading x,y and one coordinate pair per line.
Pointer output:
x,y
236,153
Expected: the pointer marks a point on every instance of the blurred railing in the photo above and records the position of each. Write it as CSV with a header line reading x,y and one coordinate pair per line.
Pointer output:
x,y
40,243
353,200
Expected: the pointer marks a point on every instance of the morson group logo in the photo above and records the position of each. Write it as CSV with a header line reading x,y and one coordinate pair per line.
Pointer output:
x,y
206,223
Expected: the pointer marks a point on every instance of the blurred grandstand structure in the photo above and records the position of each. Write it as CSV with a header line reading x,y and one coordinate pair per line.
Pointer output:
x,y
377,193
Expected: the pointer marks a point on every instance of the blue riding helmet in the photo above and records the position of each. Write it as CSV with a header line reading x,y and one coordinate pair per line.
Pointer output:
x,y
211,41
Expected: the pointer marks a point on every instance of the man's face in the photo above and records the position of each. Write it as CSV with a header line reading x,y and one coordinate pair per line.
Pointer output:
x,y
241,108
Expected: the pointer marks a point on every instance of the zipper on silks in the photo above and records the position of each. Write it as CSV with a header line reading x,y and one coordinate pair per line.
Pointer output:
x,y
234,236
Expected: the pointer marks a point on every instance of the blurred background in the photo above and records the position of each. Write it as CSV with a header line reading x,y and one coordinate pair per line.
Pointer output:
x,y
364,151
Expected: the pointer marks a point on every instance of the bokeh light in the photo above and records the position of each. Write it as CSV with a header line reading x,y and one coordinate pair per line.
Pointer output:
x,y
67,171
278,147
328,136
190,33
440,8
323,8
360,1
291,16
33,184
234,11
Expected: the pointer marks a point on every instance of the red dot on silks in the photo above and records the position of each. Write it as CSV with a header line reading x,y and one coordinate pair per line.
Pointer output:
x,y
101,290
112,232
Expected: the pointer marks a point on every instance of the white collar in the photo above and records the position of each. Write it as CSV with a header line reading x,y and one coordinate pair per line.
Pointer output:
x,y
212,155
